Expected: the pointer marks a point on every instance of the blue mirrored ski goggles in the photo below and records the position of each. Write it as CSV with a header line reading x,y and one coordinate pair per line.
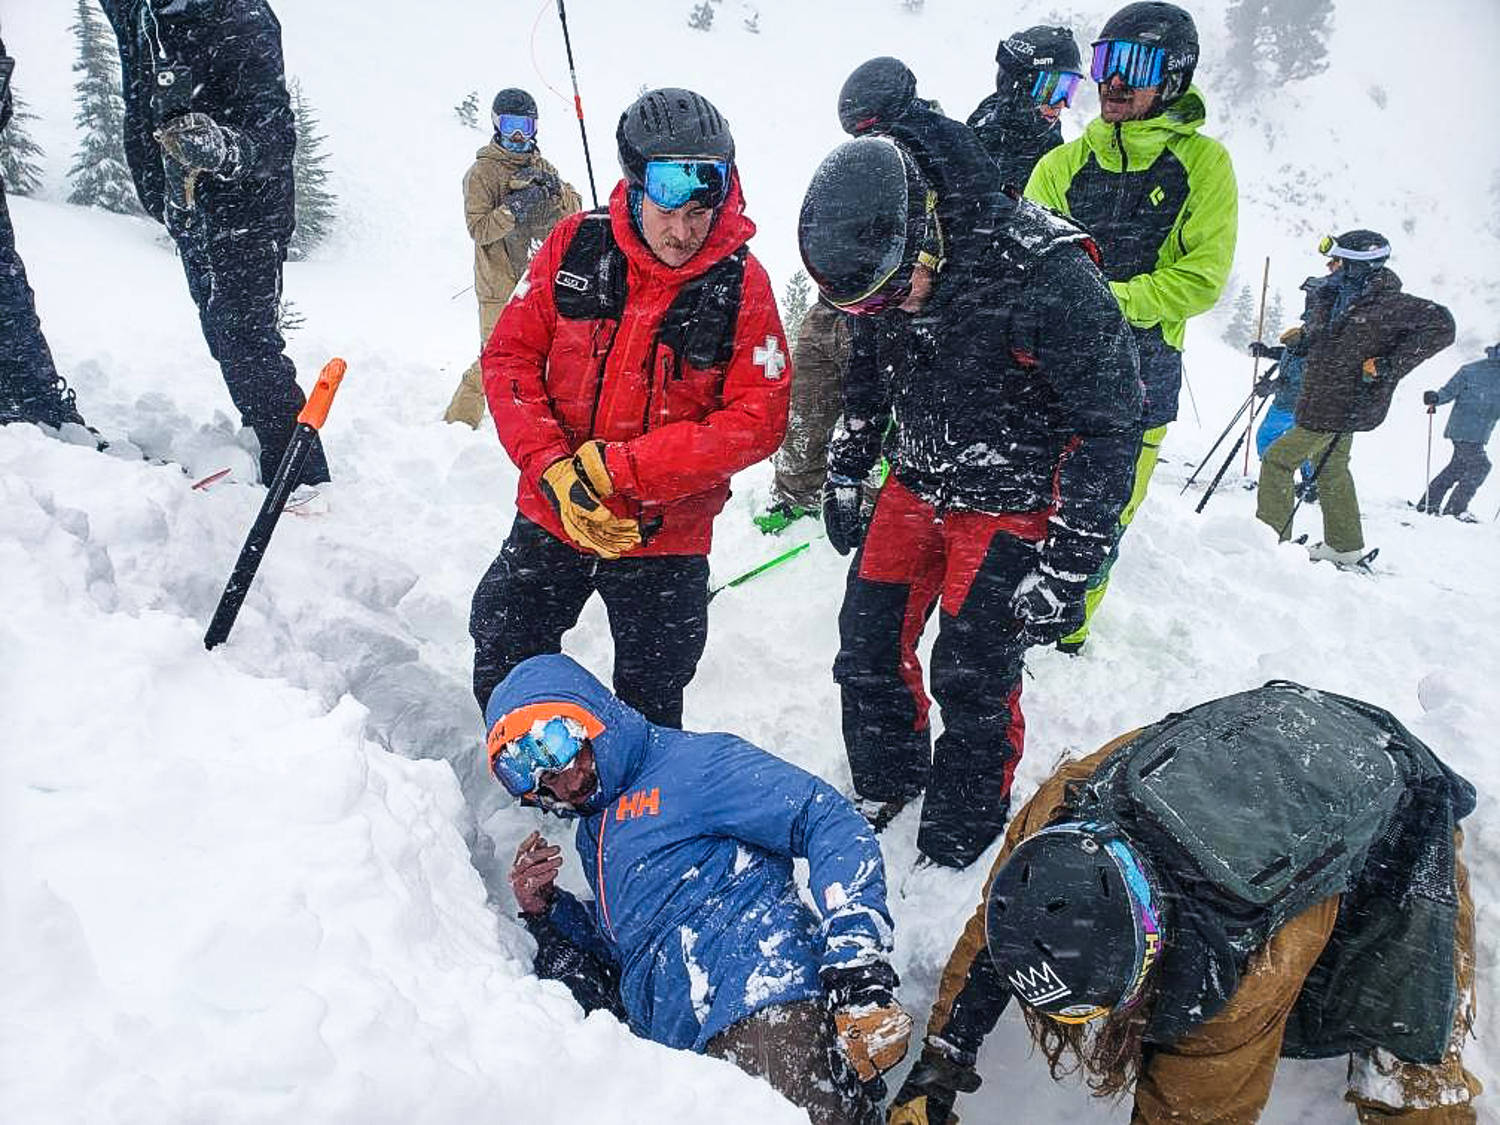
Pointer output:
x,y
509,124
671,184
1138,65
1055,87
549,745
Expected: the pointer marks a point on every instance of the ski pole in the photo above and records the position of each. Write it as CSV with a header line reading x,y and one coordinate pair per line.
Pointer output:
x,y
1427,483
1218,441
288,475
762,568
1224,468
1192,398
1286,528
1260,331
562,15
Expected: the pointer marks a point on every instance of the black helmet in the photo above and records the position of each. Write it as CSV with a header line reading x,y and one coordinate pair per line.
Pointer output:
x,y
1359,251
875,94
1157,24
663,124
513,100
866,221
1039,48
1073,922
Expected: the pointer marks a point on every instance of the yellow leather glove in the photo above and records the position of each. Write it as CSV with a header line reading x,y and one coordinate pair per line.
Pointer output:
x,y
590,466
587,522
874,1037
915,1113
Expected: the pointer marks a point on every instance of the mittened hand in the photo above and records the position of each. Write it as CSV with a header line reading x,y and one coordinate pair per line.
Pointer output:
x,y
1429,398
843,513
1048,606
534,873
873,1030
527,204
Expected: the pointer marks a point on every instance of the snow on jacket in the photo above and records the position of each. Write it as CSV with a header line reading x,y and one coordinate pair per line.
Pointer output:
x,y
1162,202
1014,134
688,852
1378,322
674,433
502,246
238,79
1016,389
1474,392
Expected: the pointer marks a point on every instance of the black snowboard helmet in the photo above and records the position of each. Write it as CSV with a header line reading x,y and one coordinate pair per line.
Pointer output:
x,y
1358,252
1153,23
1073,922
868,219
1038,48
670,124
513,100
876,93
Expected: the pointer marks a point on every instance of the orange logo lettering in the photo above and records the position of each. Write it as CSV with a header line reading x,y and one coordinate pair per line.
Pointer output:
x,y
639,804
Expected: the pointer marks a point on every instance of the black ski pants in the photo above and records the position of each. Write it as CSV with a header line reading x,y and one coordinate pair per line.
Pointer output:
x,y
914,557
534,591
235,279
29,388
1464,473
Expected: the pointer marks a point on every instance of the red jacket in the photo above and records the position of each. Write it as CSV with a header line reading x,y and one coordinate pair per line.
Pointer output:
x,y
541,377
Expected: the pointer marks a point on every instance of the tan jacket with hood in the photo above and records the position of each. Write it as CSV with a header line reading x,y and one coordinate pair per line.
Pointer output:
x,y
502,247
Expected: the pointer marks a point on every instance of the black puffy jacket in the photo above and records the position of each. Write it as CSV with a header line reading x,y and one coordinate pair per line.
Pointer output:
x,y
1015,389
233,48
1015,135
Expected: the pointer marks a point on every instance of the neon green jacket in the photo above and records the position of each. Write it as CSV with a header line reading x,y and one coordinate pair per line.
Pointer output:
x,y
1161,200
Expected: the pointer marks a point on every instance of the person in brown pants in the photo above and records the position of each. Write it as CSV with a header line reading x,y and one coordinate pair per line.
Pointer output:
x,y
1273,874
512,200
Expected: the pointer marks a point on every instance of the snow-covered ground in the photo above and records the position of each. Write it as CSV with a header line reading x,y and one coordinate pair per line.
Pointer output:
x,y
247,886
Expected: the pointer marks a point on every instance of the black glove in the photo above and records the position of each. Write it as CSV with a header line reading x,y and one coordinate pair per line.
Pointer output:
x,y
200,144
1265,385
843,515
547,180
527,203
928,1094
1429,398
873,1030
1048,606
1264,351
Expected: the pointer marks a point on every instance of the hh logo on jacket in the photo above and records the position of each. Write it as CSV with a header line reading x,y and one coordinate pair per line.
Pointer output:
x,y
639,803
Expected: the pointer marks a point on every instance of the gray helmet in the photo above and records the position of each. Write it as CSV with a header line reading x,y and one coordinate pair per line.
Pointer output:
x,y
876,93
668,123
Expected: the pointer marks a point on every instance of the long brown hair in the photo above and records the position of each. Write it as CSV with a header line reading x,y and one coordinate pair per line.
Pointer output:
x,y
1109,1052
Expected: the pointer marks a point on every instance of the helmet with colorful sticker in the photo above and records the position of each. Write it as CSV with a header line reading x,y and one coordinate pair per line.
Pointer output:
x,y
1074,922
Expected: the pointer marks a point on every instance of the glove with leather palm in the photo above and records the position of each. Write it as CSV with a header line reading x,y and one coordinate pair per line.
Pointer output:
x,y
873,1029
1048,605
843,512
585,519
198,143
928,1094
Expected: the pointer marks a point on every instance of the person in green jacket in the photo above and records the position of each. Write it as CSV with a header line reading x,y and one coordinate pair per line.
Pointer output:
x,y
1160,199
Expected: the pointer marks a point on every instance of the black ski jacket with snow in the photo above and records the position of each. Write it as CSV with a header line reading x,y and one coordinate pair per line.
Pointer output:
x,y
1016,389
1015,135
233,50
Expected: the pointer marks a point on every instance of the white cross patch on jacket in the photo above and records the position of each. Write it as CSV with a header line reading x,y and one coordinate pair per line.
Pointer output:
x,y
770,358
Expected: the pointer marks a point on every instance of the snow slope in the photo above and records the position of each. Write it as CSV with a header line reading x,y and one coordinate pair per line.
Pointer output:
x,y
262,884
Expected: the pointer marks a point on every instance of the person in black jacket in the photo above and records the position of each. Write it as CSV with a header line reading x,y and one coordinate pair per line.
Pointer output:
x,y
30,388
209,137
1011,387
1038,71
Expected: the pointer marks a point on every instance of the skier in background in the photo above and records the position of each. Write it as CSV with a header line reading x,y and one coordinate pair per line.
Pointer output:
x,y
31,390
1038,71
209,137
1177,964
696,932
1474,392
1161,199
512,200
1361,335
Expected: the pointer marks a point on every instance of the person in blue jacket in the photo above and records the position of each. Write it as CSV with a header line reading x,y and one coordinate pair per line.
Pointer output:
x,y
1474,392
696,932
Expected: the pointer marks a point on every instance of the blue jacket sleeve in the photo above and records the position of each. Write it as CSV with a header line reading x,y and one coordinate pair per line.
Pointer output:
x,y
755,797
575,922
1454,386
570,949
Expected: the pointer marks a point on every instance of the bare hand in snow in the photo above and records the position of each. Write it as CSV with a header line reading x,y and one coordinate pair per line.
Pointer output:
x,y
533,873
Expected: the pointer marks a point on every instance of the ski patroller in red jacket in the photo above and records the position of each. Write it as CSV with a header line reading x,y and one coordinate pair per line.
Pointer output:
x,y
672,441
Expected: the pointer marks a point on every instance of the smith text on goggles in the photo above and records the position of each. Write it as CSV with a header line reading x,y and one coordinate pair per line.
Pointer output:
x,y
1138,65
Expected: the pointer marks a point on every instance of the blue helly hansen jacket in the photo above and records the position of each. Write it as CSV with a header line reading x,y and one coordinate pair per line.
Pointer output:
x,y
688,850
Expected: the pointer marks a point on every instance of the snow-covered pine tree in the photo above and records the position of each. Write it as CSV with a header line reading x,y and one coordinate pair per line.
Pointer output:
x,y
99,176
701,18
1241,327
1275,325
1272,42
19,154
317,206
467,110
795,302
